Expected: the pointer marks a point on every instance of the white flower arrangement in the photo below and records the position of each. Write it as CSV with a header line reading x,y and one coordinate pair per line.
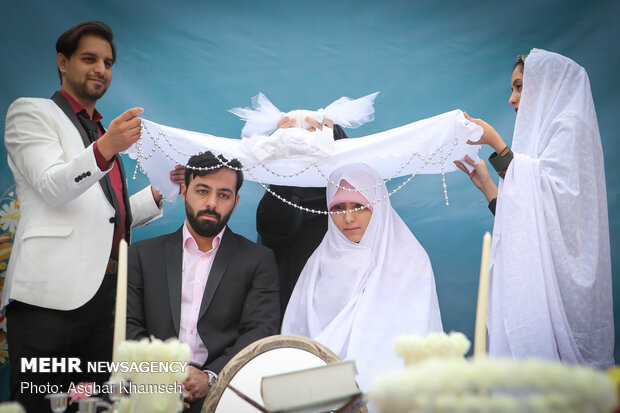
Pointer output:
x,y
11,407
489,385
172,350
157,392
414,349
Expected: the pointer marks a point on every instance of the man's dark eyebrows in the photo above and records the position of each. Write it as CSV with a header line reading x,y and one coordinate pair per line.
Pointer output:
x,y
91,54
203,185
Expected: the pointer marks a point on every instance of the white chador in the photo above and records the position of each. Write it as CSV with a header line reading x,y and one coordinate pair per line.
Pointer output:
x,y
356,298
297,157
551,271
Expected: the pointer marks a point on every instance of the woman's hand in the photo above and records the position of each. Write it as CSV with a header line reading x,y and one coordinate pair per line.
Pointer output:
x,y
286,122
480,177
489,135
316,125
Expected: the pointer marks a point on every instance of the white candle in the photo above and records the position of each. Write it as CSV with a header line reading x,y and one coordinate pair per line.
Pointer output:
x,y
121,300
480,335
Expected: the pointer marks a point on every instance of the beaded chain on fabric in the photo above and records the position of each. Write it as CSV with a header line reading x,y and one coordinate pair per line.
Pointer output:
x,y
248,169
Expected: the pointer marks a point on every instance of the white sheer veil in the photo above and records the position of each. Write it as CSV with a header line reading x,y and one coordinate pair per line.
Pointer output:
x,y
356,298
551,275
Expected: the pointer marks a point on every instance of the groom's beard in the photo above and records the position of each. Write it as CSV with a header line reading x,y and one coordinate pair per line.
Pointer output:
x,y
206,228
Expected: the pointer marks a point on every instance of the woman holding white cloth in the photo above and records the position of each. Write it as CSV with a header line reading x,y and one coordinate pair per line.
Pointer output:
x,y
551,265
369,280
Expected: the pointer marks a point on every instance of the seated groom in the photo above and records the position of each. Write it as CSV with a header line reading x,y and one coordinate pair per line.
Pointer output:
x,y
206,285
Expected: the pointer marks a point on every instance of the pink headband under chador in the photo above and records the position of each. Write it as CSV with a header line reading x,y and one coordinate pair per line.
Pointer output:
x,y
343,196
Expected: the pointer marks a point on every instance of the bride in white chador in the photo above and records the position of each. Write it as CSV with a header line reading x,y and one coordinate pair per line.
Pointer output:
x,y
369,280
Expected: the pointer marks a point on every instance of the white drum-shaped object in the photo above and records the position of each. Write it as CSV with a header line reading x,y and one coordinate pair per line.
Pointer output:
x,y
266,357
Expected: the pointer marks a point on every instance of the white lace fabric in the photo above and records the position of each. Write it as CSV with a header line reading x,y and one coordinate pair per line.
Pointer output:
x,y
292,158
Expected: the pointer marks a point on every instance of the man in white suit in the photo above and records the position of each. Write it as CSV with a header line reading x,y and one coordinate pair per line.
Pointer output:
x,y
60,284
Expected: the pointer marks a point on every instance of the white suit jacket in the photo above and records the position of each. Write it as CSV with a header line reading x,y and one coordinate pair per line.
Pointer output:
x,y
64,237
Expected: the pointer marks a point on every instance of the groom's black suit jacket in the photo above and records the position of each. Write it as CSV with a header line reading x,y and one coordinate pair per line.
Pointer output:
x,y
240,304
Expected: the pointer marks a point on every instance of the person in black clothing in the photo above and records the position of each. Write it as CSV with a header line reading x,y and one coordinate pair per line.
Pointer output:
x,y
291,233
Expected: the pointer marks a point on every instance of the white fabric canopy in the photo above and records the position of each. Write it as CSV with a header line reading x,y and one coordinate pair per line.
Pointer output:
x,y
356,298
427,146
551,271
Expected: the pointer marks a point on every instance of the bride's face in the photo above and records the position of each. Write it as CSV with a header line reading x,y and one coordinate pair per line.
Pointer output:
x,y
352,224
516,83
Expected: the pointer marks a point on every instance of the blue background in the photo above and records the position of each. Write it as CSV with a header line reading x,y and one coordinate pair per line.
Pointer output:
x,y
187,62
